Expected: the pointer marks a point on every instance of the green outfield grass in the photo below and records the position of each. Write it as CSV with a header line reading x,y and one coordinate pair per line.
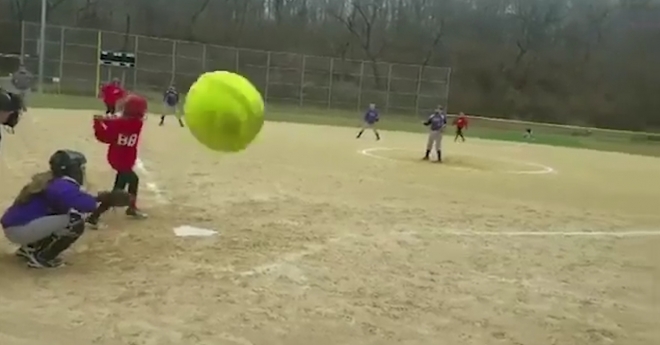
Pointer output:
x,y
634,143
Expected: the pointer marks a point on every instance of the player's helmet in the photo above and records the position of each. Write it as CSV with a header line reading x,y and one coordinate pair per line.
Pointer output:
x,y
68,163
12,104
135,106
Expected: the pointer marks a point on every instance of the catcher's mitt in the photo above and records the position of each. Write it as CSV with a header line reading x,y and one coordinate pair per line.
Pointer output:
x,y
115,198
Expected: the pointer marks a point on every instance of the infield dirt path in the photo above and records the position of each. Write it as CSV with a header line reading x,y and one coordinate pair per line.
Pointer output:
x,y
320,244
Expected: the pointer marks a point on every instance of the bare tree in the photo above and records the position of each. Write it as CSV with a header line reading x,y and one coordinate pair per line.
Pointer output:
x,y
583,61
362,19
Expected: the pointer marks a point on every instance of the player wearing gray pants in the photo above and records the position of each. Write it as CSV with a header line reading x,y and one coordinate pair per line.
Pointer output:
x,y
434,140
436,123
371,117
38,229
22,81
171,105
46,218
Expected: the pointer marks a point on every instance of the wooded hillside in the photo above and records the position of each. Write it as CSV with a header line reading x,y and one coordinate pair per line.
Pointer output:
x,y
594,62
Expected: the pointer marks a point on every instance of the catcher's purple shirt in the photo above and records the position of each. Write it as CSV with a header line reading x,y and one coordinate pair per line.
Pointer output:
x,y
61,195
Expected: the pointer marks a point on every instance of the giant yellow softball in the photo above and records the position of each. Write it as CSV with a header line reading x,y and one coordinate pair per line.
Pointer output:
x,y
224,111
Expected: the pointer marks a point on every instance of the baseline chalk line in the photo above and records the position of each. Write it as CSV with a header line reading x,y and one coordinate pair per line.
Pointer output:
x,y
151,185
291,257
641,233
540,169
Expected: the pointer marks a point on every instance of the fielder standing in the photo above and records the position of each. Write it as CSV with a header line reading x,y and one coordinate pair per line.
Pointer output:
x,y
461,124
22,81
436,123
370,119
171,105
112,93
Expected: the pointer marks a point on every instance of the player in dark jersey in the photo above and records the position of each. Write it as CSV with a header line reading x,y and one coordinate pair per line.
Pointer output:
x,y
371,117
171,105
11,107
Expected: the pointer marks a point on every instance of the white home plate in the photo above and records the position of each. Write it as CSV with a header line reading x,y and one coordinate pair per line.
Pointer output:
x,y
191,231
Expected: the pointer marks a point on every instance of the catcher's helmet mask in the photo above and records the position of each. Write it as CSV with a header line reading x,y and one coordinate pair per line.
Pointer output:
x,y
68,163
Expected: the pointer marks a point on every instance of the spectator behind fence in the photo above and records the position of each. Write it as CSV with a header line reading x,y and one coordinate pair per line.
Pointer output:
x,y
22,80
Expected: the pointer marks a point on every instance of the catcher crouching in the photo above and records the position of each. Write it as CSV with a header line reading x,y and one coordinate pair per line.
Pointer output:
x,y
122,135
48,215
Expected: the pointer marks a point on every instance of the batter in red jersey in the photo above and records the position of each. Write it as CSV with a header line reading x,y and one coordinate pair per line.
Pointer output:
x,y
461,123
111,94
122,134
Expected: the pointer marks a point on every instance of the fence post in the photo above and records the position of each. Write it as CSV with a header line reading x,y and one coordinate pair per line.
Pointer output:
x,y
203,57
173,63
302,79
419,89
446,105
136,48
359,98
332,72
61,74
22,59
267,76
389,86
42,46
238,58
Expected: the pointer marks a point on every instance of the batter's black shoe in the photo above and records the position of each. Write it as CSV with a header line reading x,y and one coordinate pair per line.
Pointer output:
x,y
134,213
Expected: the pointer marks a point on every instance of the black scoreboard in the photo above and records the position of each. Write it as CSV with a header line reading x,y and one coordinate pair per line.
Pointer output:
x,y
117,59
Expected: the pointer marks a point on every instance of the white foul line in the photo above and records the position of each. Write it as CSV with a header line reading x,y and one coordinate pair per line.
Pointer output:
x,y
542,169
641,233
293,257
152,186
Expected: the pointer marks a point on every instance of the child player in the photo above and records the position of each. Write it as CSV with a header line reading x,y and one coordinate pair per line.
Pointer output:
x,y
436,123
46,217
370,119
122,134
170,105
461,123
112,93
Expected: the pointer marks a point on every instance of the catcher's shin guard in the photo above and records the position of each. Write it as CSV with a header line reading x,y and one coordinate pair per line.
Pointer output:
x,y
27,250
57,243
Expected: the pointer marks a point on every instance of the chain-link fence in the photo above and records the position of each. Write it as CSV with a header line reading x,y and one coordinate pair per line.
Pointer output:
x,y
72,66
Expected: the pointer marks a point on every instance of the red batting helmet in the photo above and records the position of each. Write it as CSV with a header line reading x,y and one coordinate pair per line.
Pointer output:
x,y
135,106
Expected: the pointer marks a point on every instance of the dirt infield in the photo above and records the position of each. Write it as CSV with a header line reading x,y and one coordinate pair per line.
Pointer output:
x,y
324,239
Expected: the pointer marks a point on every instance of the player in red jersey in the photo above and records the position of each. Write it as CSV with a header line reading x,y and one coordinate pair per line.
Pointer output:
x,y
111,94
122,134
461,123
